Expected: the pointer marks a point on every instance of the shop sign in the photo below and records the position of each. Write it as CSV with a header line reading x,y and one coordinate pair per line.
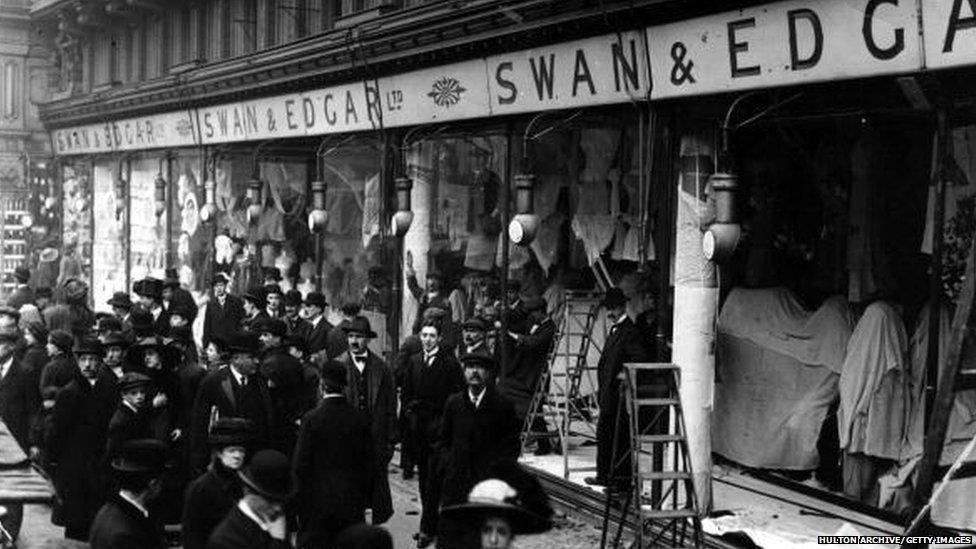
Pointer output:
x,y
597,71
785,43
440,94
949,32
174,129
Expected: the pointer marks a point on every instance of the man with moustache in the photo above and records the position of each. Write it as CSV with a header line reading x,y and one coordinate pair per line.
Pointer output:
x,y
77,440
371,390
479,430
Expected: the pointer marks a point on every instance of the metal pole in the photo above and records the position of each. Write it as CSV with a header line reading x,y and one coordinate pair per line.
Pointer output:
x,y
935,280
506,217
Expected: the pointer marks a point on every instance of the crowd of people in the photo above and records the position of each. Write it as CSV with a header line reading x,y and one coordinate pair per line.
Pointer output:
x,y
278,430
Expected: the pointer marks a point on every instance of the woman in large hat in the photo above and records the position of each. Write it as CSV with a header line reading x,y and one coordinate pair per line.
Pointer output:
x,y
211,496
509,503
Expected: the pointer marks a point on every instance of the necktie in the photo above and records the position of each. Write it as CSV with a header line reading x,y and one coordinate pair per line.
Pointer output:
x,y
429,359
243,381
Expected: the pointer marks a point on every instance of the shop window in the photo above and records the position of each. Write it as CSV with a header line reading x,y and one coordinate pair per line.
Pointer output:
x,y
109,242
191,247
147,232
75,254
10,90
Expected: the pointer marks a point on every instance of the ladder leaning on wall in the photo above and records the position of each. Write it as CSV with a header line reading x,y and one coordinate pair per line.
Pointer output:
x,y
557,399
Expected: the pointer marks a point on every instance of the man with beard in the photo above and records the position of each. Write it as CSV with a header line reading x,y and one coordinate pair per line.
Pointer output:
x,y
223,312
333,464
125,522
479,430
371,390
212,495
297,326
77,440
433,376
238,390
286,382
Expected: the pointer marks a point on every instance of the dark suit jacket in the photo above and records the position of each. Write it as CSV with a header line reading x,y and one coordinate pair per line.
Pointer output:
x,y
21,296
253,324
19,400
237,531
527,362
208,500
425,390
219,321
298,326
290,395
119,525
472,440
334,466
624,344
219,390
318,337
124,426
381,409
59,371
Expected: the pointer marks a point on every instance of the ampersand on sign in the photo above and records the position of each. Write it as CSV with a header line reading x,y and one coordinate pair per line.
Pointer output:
x,y
272,123
681,70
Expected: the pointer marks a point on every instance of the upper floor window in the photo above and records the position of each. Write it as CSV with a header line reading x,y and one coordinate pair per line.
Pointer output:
x,y
10,87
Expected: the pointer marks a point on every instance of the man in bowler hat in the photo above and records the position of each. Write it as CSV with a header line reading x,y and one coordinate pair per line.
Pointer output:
x,y
258,520
150,290
333,464
318,332
236,391
223,312
124,522
371,390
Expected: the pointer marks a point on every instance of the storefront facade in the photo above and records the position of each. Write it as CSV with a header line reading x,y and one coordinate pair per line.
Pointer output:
x,y
606,116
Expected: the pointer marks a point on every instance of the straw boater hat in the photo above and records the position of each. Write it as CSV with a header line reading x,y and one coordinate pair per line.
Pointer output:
x,y
510,493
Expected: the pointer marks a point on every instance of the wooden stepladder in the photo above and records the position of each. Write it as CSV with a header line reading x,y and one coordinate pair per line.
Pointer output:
x,y
557,396
662,495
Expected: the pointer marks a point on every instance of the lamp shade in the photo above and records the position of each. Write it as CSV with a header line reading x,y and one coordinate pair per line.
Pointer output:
x,y
160,194
403,217
524,226
254,209
318,218
209,210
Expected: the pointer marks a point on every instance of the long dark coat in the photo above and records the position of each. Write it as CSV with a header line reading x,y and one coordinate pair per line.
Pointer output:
x,y
530,353
317,337
220,391
472,440
333,464
381,410
119,525
19,400
237,531
33,362
222,322
59,371
624,344
185,299
289,395
76,445
208,500
125,425
425,390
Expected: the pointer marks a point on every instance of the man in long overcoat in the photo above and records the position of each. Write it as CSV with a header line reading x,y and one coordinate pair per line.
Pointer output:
x,y
333,464
76,442
223,312
479,430
286,380
19,397
432,376
371,389
236,391
624,344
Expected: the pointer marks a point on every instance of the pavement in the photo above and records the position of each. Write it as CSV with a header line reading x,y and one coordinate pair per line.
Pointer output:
x,y
37,532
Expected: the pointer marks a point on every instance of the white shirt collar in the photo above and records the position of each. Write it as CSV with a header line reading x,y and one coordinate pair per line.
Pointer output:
x,y
6,365
249,513
315,321
476,399
239,377
430,356
129,406
124,494
359,361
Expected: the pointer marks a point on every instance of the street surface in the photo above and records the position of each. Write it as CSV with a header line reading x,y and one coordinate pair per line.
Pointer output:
x,y
38,532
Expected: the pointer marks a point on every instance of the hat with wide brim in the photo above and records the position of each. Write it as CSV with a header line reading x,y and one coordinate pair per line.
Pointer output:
x,y
149,287
359,325
220,278
293,298
141,456
88,346
231,431
120,299
115,339
483,360
497,498
475,323
269,475
315,299
243,342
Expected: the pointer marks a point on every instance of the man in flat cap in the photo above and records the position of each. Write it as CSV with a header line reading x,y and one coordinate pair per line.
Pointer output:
x,y
76,444
333,463
223,312
371,389
238,390
131,420
479,429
